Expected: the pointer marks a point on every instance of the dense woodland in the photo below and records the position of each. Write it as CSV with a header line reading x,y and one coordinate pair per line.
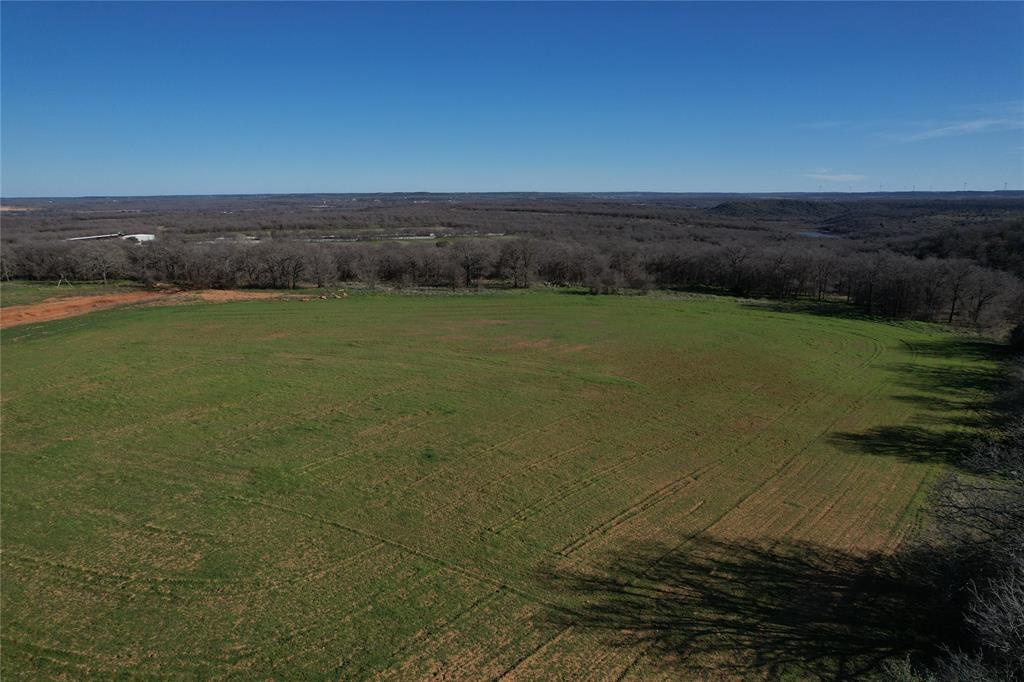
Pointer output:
x,y
956,258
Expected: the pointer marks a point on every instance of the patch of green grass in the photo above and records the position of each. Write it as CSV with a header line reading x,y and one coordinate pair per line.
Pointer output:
x,y
21,292
392,484
270,479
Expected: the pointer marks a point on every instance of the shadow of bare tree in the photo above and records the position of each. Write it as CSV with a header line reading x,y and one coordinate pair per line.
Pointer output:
x,y
787,610
712,608
913,443
834,309
951,381
968,347
955,402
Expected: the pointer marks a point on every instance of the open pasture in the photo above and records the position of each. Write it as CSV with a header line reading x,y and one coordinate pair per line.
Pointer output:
x,y
534,485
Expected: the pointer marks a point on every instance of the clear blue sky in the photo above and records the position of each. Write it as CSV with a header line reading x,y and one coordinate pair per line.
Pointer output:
x,y
159,98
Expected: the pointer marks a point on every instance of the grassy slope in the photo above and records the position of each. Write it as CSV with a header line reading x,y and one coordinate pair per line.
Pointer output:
x,y
397,485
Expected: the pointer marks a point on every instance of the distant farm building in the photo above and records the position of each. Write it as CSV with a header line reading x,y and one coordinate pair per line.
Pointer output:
x,y
138,237
93,237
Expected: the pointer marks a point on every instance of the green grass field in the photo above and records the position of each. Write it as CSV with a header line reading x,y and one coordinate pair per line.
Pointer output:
x,y
472,486
21,292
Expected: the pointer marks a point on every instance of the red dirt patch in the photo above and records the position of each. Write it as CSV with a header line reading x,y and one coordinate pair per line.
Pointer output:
x,y
56,309
217,295
59,308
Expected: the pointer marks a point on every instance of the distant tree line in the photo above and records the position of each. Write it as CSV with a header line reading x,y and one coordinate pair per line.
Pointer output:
x,y
987,229
880,283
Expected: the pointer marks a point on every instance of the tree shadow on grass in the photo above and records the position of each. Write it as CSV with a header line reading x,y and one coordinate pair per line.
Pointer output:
x,y
951,346
960,347
744,609
837,309
955,400
795,609
913,443
975,385
938,411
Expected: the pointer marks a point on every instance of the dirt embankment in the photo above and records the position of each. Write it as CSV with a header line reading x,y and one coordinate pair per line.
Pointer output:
x,y
59,308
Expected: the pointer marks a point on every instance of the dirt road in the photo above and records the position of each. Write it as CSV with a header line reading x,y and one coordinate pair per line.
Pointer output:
x,y
59,308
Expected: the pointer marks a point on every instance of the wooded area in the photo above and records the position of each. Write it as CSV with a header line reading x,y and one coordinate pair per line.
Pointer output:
x,y
955,259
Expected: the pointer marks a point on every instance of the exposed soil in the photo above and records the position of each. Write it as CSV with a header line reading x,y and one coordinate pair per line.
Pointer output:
x,y
217,295
56,309
59,308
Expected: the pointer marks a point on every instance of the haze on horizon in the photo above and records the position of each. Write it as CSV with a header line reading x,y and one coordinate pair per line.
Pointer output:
x,y
223,98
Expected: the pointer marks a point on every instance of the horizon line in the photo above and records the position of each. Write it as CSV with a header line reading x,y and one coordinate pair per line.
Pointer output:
x,y
519,192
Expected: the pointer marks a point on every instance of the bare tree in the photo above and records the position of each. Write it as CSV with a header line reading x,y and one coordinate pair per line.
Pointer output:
x,y
518,261
286,263
472,258
982,288
366,266
321,266
958,273
823,269
10,263
934,283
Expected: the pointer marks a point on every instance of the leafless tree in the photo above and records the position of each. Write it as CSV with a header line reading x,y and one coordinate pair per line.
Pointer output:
x,y
981,289
518,261
472,258
10,263
958,273
365,266
321,265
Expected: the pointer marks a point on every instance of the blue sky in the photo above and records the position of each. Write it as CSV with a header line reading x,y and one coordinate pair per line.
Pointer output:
x,y
200,98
